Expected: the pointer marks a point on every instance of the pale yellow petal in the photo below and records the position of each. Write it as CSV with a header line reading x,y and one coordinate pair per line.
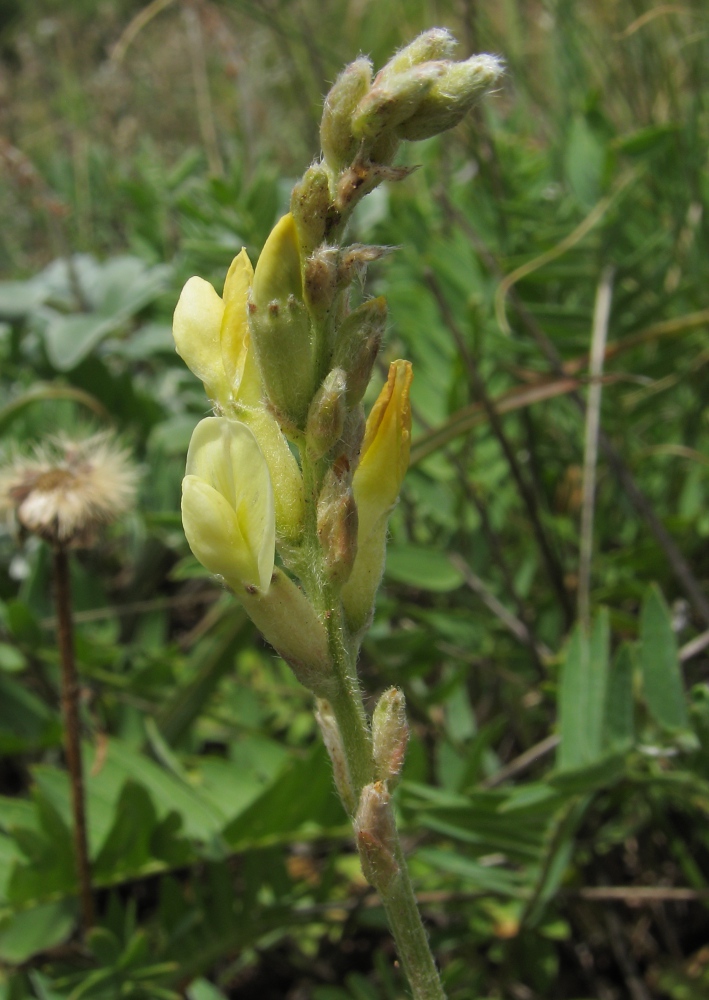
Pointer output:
x,y
197,331
225,455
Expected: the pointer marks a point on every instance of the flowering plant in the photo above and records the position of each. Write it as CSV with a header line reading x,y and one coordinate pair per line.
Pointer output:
x,y
288,465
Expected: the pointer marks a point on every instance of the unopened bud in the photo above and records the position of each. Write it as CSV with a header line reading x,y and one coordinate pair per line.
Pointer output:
x,y
359,338
376,836
394,100
339,145
352,437
337,525
326,416
390,733
310,205
434,44
280,327
277,273
451,97
332,738
377,480
321,280
288,622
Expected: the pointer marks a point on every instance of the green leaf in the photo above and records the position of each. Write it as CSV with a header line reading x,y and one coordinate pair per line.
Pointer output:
x,y
659,662
424,569
40,928
618,716
582,695
583,161
69,339
301,799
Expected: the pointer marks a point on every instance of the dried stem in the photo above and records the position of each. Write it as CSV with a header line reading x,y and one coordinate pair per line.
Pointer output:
x,y
599,334
72,737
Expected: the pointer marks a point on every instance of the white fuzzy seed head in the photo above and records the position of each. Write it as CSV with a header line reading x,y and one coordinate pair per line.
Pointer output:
x,y
68,488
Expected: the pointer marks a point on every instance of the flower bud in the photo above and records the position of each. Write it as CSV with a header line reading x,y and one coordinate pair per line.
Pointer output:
x,y
359,338
339,145
310,206
227,504
352,437
376,484
393,100
326,416
332,738
288,622
437,43
390,734
337,525
451,97
280,327
376,836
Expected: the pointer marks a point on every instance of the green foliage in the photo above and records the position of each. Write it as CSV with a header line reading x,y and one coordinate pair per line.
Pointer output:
x,y
549,764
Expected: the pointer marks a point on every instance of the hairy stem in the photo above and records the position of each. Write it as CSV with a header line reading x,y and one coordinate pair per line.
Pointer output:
x,y
398,895
72,737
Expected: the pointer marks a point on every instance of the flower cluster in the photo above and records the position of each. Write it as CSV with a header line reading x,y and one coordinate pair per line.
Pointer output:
x,y
288,465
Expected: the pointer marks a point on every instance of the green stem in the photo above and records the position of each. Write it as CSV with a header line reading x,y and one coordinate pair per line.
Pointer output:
x,y
398,895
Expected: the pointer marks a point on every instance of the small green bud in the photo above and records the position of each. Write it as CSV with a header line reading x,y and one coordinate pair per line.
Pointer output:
x,y
438,43
394,100
282,339
287,620
359,338
322,281
332,738
390,733
376,836
339,144
337,524
451,97
326,416
310,206
280,327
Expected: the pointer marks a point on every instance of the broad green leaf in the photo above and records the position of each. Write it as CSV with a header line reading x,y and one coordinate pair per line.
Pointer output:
x,y
301,800
582,695
18,298
69,339
659,663
424,569
40,928
618,720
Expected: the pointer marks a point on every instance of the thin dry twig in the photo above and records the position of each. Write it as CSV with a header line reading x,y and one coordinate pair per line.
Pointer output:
x,y
513,624
601,315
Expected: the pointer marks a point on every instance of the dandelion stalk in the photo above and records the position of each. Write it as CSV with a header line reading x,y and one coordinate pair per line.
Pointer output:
x,y
64,494
289,464
72,730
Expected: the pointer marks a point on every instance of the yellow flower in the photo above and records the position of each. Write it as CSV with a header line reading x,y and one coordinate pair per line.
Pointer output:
x,y
376,484
229,520
212,337
227,504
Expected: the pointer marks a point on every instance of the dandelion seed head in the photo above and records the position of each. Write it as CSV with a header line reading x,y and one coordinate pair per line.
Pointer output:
x,y
68,488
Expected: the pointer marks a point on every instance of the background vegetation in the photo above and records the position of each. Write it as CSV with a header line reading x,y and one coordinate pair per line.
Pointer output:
x,y
556,794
